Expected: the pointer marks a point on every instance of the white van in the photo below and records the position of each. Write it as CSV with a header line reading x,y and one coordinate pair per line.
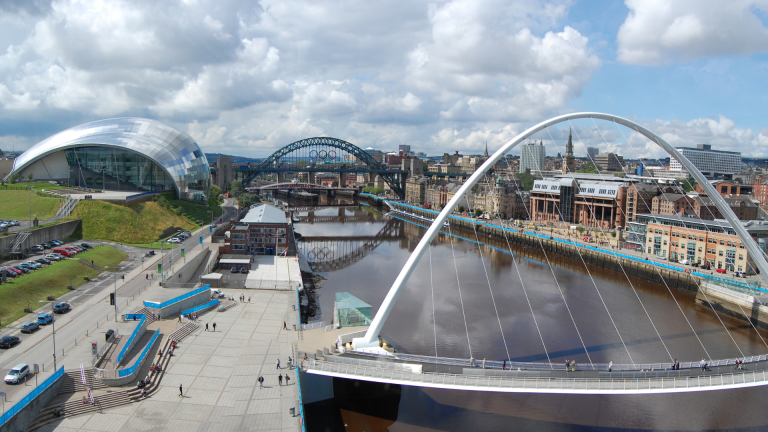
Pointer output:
x,y
215,293
683,261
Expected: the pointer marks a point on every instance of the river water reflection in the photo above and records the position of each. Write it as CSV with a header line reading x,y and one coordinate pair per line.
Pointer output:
x,y
466,284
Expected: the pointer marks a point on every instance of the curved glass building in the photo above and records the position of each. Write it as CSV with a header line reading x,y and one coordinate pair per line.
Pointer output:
x,y
129,154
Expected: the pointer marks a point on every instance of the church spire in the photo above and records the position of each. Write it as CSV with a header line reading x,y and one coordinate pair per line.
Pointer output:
x,y
569,161
486,149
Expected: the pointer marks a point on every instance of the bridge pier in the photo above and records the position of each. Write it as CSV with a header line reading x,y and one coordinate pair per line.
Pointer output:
x,y
311,178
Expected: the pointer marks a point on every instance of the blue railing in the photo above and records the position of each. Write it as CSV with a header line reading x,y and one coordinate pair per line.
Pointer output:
x,y
141,194
128,371
156,305
128,345
297,362
205,306
30,397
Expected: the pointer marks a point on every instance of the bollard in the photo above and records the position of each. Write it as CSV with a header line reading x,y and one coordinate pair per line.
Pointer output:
x,y
86,333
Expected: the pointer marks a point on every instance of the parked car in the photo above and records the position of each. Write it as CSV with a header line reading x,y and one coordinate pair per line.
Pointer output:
x,y
14,271
45,319
29,327
38,248
8,273
47,245
683,261
63,252
9,341
53,256
15,223
57,242
740,274
721,271
36,265
61,307
43,261
86,245
234,269
244,270
174,240
21,269
18,372
27,266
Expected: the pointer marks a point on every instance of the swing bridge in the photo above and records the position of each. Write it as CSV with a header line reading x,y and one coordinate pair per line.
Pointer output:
x,y
368,362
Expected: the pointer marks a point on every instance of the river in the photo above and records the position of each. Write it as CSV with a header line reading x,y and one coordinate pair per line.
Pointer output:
x,y
499,302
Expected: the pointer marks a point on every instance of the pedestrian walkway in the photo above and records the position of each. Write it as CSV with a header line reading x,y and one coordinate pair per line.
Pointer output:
x,y
218,372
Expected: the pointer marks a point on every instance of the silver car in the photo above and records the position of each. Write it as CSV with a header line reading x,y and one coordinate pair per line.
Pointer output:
x,y
17,374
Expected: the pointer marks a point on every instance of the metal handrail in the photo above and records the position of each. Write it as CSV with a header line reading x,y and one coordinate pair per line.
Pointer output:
x,y
543,384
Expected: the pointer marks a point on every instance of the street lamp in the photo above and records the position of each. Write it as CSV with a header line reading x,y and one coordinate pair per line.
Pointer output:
x,y
115,269
53,324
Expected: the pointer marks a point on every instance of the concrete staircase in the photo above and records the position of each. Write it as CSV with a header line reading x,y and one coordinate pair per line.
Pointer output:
x,y
147,313
67,207
228,305
72,382
115,398
93,266
16,246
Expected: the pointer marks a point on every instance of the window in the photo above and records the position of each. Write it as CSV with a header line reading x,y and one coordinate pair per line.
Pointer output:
x,y
665,242
722,242
720,253
649,248
666,232
256,230
281,230
741,257
238,247
281,240
699,248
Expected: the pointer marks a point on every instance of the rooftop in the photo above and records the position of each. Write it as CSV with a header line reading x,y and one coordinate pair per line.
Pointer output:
x,y
265,213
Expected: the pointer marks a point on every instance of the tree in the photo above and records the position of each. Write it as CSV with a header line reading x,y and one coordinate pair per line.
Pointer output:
x,y
478,212
526,180
689,184
29,177
236,188
588,168
373,190
461,209
426,167
215,191
580,229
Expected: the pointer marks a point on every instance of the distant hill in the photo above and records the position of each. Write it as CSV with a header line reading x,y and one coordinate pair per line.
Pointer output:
x,y
235,159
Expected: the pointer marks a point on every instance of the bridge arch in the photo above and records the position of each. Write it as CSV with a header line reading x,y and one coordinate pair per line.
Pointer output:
x,y
396,183
371,336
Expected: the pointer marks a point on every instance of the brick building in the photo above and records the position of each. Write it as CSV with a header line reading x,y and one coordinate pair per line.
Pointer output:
x,y
265,230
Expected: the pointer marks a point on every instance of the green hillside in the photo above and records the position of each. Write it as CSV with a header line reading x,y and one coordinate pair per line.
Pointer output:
x,y
16,204
139,223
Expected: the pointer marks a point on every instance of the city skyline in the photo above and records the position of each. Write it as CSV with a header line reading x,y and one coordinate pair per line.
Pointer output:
x,y
438,77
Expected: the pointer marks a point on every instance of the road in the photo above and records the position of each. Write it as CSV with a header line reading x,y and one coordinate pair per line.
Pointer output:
x,y
91,306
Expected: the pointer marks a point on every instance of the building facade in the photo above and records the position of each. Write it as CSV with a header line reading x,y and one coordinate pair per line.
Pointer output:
x,y
712,243
265,230
609,162
130,154
711,163
532,157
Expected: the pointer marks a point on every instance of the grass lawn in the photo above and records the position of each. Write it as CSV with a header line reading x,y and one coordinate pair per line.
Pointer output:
x,y
25,291
138,224
40,185
196,212
16,204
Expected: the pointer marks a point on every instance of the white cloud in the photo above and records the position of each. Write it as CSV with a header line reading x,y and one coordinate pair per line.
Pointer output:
x,y
660,31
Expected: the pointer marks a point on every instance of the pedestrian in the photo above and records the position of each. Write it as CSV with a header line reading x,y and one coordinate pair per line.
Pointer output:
x,y
504,365
91,262
147,276
84,400
180,317
261,381
287,378
123,276
573,365
249,299
703,364
567,363
206,326
285,326
483,363
214,326
278,363
280,379
290,360
181,391
610,366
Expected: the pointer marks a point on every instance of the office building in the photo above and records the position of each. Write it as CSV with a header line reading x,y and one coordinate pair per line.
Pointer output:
x,y
711,163
592,152
532,157
609,162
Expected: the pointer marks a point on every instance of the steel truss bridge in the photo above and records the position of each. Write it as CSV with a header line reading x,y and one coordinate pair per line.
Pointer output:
x,y
368,362
324,155
328,253
299,186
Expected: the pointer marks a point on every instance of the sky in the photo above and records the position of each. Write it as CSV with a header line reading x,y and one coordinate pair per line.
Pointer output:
x,y
247,77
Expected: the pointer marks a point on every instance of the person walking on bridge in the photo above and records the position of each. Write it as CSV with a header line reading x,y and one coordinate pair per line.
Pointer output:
x,y
703,364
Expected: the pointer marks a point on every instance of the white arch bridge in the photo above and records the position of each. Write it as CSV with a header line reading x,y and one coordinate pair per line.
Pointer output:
x,y
366,361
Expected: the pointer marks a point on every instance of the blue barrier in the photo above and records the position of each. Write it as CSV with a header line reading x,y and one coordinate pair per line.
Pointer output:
x,y
129,344
128,371
210,304
30,397
141,194
156,305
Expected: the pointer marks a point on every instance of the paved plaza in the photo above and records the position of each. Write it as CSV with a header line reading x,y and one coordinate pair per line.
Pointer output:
x,y
218,371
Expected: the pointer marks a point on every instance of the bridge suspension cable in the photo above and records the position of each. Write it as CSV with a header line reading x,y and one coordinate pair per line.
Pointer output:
x,y
461,299
432,289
